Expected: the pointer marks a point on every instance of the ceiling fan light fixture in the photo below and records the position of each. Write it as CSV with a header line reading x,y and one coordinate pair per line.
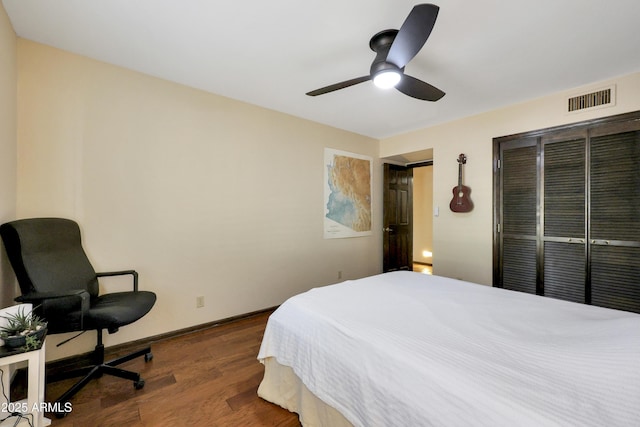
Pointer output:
x,y
386,79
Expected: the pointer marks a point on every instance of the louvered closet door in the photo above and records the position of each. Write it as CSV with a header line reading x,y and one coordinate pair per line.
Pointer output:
x,y
568,212
615,217
564,255
519,195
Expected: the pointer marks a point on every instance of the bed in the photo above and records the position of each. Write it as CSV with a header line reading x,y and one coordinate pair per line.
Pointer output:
x,y
409,349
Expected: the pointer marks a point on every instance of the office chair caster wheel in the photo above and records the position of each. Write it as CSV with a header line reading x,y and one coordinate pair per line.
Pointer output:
x,y
138,384
148,357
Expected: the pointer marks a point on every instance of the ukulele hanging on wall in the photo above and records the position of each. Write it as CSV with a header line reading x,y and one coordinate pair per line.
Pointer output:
x,y
461,201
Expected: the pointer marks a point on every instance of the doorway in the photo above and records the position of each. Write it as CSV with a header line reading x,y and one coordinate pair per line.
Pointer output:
x,y
423,219
408,214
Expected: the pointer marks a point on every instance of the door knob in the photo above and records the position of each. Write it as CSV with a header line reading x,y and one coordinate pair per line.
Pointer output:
x,y
386,229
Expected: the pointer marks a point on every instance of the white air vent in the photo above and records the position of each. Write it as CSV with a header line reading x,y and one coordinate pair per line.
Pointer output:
x,y
600,98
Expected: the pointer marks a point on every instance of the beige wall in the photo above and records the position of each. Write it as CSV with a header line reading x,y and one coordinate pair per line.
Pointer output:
x,y
422,213
8,160
203,195
462,242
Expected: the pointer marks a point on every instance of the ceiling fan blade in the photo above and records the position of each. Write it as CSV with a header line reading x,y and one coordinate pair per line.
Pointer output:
x,y
418,89
338,86
413,34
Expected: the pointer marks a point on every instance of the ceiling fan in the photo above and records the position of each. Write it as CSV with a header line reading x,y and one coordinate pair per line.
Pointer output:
x,y
394,49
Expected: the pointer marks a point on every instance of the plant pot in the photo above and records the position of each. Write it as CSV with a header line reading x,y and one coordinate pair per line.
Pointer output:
x,y
21,340
15,341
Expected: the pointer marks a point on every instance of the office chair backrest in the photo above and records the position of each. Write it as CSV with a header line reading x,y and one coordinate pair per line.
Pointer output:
x,y
47,255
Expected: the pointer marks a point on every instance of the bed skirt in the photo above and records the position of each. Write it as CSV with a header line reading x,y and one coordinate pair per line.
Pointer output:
x,y
282,386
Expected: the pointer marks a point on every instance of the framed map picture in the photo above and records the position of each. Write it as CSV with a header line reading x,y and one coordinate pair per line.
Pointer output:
x,y
347,194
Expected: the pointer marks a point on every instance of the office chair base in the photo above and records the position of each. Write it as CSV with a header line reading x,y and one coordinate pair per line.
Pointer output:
x,y
96,371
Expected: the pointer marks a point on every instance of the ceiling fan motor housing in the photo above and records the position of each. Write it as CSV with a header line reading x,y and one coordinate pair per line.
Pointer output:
x,y
381,43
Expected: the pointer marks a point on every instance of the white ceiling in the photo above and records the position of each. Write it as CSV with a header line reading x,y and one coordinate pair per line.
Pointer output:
x,y
484,54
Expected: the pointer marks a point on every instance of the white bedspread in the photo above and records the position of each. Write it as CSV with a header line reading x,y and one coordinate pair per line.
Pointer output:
x,y
408,349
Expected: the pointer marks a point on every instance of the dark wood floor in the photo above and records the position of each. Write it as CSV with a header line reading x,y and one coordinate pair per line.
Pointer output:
x,y
205,378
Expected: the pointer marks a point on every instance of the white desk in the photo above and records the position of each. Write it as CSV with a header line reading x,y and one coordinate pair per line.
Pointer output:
x,y
35,391
35,383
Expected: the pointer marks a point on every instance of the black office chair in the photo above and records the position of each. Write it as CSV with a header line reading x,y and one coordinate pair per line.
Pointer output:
x,y
56,276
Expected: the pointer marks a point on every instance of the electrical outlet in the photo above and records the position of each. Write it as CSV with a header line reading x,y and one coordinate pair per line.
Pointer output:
x,y
199,302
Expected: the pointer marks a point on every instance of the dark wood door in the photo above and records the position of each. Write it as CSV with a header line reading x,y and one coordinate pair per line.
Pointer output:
x,y
614,229
398,218
563,216
517,221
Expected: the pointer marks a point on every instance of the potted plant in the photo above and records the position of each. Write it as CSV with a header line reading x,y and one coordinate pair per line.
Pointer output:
x,y
23,330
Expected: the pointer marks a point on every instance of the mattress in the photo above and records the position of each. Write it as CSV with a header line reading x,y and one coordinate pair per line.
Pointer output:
x,y
403,348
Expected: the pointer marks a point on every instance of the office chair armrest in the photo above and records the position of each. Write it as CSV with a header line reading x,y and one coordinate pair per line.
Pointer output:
x,y
122,273
35,297
38,298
